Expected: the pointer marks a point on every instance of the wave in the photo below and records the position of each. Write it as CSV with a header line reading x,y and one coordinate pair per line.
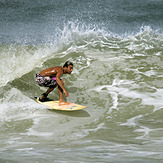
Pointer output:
x,y
117,75
20,59
119,78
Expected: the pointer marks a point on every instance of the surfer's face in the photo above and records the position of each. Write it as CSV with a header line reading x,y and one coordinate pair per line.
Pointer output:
x,y
69,69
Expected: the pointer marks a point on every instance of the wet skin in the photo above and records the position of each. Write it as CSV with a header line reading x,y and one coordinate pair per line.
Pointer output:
x,y
58,73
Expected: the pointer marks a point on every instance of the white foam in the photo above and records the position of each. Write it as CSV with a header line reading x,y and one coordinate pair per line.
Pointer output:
x,y
114,96
17,60
132,122
124,87
15,105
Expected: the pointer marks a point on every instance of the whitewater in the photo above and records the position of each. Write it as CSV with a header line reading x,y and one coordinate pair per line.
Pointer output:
x,y
116,49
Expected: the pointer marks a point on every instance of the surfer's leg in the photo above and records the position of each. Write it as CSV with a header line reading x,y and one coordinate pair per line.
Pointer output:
x,y
46,93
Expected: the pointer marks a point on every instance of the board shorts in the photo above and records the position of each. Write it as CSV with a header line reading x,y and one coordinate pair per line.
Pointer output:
x,y
45,81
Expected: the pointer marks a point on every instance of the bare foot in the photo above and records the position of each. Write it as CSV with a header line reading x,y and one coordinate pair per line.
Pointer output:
x,y
63,103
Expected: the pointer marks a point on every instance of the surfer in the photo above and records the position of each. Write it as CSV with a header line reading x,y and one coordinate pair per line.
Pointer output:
x,y
51,77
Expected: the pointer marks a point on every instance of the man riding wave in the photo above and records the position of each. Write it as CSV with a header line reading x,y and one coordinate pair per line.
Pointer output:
x,y
51,78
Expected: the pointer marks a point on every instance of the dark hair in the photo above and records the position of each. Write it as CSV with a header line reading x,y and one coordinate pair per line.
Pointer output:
x,y
68,63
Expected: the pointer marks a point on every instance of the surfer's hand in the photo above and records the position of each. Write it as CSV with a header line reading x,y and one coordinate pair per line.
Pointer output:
x,y
66,94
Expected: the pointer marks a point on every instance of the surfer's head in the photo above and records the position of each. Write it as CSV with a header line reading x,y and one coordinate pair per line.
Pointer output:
x,y
68,63
69,67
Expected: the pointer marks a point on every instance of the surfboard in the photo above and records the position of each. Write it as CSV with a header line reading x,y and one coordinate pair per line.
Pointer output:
x,y
55,105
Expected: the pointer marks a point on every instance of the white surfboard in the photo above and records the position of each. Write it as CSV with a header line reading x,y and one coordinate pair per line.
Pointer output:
x,y
55,105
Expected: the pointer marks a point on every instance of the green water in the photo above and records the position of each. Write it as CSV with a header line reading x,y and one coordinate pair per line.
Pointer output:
x,y
119,79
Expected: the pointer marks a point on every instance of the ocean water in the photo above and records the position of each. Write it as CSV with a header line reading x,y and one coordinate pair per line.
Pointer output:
x,y
117,51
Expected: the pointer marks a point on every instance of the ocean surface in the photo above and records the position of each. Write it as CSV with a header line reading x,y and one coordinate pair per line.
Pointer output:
x,y
117,50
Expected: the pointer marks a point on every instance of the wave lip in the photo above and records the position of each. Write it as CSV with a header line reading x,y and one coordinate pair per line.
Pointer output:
x,y
17,60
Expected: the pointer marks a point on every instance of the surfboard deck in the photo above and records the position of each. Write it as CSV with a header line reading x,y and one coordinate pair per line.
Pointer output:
x,y
55,105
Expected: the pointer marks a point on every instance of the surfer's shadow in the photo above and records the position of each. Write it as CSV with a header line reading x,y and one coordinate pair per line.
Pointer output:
x,y
77,113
